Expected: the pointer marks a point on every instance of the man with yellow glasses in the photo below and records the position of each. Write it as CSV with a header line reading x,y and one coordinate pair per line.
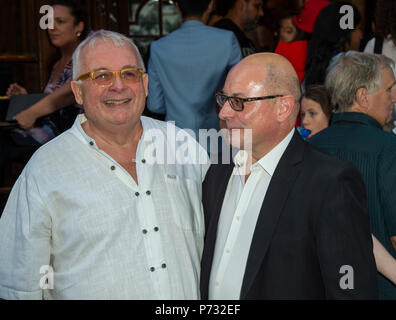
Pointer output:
x,y
106,210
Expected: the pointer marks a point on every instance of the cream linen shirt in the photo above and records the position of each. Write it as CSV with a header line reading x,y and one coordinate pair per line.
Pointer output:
x,y
239,213
75,209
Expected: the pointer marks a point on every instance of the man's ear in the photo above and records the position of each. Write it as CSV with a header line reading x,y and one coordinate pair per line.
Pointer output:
x,y
76,88
362,98
145,83
285,107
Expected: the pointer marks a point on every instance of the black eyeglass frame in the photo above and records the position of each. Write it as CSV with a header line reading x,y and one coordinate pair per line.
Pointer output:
x,y
243,100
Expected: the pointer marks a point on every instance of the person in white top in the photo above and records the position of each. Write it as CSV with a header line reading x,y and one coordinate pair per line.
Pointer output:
x,y
385,41
103,212
294,223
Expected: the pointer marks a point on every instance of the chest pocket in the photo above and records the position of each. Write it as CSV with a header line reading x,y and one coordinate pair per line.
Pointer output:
x,y
185,197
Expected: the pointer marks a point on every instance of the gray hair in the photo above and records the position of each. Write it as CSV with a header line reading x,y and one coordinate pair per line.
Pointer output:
x,y
354,71
104,35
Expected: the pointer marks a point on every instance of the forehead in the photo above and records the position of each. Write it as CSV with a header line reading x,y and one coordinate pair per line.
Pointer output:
x,y
387,76
108,56
61,11
286,22
245,81
256,2
307,103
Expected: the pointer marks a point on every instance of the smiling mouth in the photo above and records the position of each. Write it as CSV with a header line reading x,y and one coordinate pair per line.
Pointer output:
x,y
116,102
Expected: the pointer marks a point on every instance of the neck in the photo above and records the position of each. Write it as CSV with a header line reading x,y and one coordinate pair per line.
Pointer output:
x,y
201,19
118,137
67,51
260,150
357,108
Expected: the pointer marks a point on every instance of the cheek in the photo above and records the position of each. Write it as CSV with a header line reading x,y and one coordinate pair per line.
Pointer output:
x,y
254,112
320,121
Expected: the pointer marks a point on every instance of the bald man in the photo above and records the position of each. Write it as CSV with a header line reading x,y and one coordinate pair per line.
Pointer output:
x,y
283,221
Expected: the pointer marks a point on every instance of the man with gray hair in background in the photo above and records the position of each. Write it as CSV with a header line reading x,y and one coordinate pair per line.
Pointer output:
x,y
363,90
91,216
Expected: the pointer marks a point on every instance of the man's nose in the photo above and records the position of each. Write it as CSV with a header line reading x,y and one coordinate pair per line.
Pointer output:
x,y
118,84
226,111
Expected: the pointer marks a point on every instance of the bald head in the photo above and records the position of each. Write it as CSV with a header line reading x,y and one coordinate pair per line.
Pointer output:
x,y
275,72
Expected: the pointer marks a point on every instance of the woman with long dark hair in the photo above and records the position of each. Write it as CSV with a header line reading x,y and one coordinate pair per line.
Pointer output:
x,y
330,38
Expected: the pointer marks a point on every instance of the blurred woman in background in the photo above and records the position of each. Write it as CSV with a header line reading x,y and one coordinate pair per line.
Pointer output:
x,y
329,40
57,111
59,103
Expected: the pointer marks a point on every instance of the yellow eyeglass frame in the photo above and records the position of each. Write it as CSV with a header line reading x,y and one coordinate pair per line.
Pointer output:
x,y
90,75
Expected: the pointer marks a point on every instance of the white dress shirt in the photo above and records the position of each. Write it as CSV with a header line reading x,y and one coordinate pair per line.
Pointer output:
x,y
76,209
238,218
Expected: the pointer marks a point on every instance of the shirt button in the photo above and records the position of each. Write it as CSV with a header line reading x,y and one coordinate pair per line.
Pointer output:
x,y
217,283
152,269
144,231
228,251
91,143
112,168
156,229
143,160
137,194
148,192
163,266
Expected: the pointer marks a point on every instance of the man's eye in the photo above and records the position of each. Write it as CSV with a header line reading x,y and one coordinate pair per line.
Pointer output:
x,y
102,75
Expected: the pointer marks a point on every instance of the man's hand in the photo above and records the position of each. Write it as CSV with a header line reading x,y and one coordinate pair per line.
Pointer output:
x,y
15,89
26,119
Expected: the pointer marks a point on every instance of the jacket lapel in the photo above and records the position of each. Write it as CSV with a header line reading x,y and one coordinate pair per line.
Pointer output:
x,y
222,175
278,191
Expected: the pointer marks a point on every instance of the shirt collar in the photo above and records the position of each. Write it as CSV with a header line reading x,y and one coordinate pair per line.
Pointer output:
x,y
191,23
270,160
79,131
355,117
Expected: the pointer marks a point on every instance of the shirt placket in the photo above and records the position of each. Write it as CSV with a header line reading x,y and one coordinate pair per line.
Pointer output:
x,y
236,224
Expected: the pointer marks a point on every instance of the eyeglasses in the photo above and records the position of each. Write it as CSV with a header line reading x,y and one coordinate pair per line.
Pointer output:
x,y
236,103
106,78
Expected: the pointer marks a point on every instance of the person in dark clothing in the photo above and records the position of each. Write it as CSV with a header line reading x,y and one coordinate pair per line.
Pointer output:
x,y
362,87
242,16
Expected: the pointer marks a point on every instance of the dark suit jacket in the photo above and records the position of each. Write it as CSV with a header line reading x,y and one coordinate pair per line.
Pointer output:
x,y
312,222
